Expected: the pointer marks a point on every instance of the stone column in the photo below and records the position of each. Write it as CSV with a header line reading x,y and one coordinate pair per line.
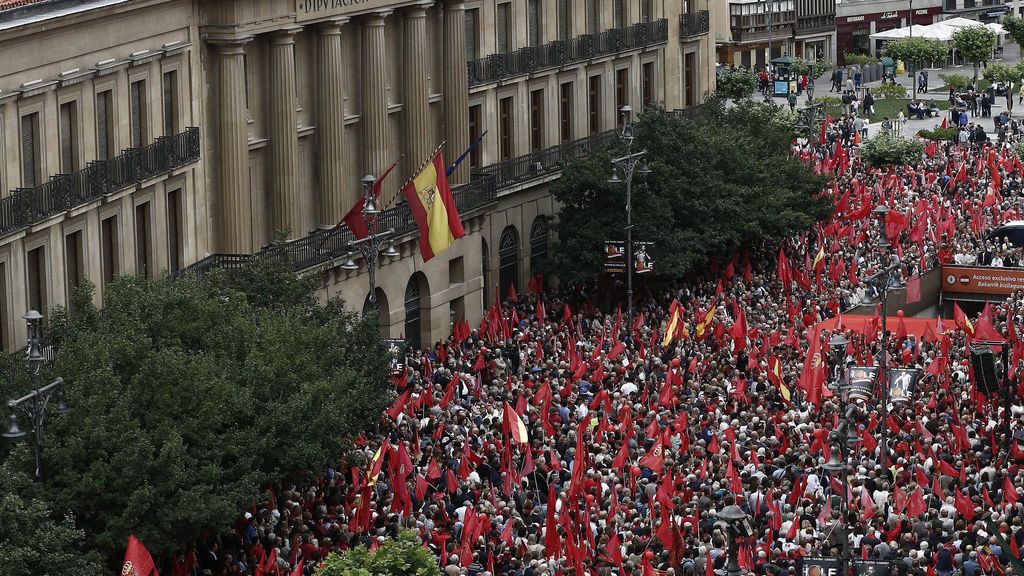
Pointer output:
x,y
335,201
419,137
456,88
235,221
284,139
375,98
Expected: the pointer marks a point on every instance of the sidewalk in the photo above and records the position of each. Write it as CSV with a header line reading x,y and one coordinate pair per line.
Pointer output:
x,y
938,92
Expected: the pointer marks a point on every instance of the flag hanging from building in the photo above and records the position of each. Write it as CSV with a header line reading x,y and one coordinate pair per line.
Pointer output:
x,y
354,219
433,206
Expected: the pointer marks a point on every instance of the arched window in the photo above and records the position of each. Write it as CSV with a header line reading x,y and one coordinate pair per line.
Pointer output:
x,y
412,314
538,244
383,310
508,260
485,269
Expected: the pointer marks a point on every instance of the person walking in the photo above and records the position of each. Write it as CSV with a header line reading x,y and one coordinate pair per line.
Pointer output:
x,y
792,101
869,103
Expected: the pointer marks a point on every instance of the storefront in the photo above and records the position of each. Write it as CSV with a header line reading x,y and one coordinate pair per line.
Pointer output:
x,y
853,33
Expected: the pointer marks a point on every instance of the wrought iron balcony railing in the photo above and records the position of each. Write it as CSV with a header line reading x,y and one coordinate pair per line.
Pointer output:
x,y
323,246
692,24
27,206
561,52
515,170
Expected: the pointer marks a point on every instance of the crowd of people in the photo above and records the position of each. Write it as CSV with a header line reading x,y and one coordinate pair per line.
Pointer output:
x,y
564,437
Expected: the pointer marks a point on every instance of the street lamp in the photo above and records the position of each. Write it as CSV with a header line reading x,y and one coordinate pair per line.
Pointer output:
x,y
732,515
34,403
631,163
374,243
883,278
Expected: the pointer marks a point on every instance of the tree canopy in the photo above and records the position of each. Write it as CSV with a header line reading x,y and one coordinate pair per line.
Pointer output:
x,y
403,556
736,84
1014,26
720,180
189,397
975,44
889,150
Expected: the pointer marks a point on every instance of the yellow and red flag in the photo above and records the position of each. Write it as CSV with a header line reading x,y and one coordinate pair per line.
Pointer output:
x,y
670,331
514,426
775,376
433,207
704,323
962,322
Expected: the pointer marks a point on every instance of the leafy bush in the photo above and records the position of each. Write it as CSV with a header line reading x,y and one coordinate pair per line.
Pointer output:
x,y
889,150
890,92
858,59
955,81
940,134
999,72
736,84
828,100
1020,149
403,556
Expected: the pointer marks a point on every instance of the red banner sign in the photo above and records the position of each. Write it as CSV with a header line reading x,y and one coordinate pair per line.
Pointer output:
x,y
982,279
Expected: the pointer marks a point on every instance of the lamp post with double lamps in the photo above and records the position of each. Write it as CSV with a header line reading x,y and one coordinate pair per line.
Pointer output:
x,y
629,164
375,243
732,516
35,402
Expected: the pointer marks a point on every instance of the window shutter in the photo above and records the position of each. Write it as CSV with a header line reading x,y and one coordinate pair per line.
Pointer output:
x,y
563,19
67,162
136,105
534,23
502,25
170,84
28,151
469,23
645,10
592,20
620,13
102,127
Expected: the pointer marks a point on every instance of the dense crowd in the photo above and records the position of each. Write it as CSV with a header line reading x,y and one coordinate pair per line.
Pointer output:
x,y
558,437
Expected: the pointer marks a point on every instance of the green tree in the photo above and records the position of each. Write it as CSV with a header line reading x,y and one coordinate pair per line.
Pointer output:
x,y
955,81
33,539
1014,26
720,180
736,84
404,556
190,396
1008,75
975,44
888,150
916,52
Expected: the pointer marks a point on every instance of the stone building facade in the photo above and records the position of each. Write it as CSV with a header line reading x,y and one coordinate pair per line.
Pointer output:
x,y
295,101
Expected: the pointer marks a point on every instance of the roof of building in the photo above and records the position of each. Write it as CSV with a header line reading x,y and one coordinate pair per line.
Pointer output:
x,y
8,4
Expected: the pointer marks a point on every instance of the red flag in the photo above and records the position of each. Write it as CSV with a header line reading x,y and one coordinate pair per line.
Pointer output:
x,y
298,568
614,550
552,543
1009,491
399,406
913,289
812,378
655,457
783,271
137,561
962,321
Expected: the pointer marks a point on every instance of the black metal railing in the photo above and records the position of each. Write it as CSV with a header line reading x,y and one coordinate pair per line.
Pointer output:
x,y
693,24
816,22
27,206
515,170
326,245
561,52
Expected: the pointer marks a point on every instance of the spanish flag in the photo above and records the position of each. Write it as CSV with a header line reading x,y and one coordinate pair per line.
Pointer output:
x,y
705,323
433,207
376,463
670,330
819,259
514,426
775,376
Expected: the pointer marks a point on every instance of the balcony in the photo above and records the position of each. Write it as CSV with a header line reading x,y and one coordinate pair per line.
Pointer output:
x,y
562,52
27,206
480,193
816,23
693,24
323,246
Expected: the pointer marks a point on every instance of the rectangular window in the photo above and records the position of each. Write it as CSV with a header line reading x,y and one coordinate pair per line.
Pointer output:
x,y
647,83
505,128
138,113
30,161
105,125
174,235
68,137
475,129
73,262
108,248
536,120
645,10
690,88
621,91
35,272
619,13
143,242
535,22
503,28
593,17
565,112
564,20
472,25
594,97
3,306
170,86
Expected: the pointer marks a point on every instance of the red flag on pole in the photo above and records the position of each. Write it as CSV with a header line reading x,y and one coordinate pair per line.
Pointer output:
x,y
913,289
137,561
